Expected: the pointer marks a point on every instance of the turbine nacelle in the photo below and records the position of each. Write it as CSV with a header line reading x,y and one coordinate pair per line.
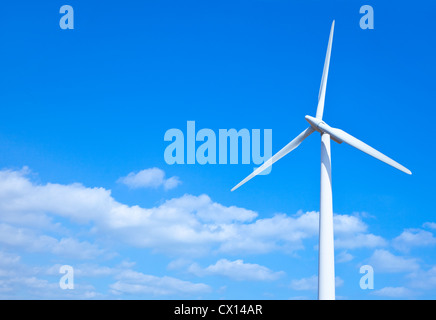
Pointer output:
x,y
315,123
320,126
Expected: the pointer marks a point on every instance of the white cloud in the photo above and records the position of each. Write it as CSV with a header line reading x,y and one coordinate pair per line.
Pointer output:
x,y
186,225
7,259
288,232
430,225
86,270
10,265
132,282
281,232
32,287
129,281
384,261
26,239
149,178
393,292
237,270
423,279
351,233
413,238
304,284
21,281
343,256
195,221
360,240
311,283
339,282
347,224
178,264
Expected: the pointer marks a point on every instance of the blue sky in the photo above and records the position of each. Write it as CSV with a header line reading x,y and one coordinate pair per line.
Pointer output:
x,y
84,108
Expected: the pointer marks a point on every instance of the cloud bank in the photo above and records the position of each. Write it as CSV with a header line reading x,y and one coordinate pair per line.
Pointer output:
x,y
82,223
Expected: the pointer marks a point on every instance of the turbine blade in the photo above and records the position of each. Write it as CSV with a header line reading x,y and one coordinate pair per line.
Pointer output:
x,y
322,89
286,149
356,143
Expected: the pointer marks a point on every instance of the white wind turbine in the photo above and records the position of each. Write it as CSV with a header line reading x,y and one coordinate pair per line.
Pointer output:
x,y
326,266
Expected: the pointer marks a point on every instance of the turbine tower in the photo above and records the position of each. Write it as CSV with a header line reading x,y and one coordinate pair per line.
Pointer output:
x,y
326,266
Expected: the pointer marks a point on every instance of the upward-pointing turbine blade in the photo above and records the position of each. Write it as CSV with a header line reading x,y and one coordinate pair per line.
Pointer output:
x,y
352,141
322,89
286,149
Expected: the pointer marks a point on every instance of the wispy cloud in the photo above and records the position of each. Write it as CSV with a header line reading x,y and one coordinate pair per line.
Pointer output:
x,y
311,283
411,238
237,270
423,279
393,292
21,281
132,282
351,232
149,178
384,261
431,225
27,240
343,256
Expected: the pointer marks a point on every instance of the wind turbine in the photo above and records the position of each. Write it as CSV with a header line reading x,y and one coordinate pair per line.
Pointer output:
x,y
326,266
